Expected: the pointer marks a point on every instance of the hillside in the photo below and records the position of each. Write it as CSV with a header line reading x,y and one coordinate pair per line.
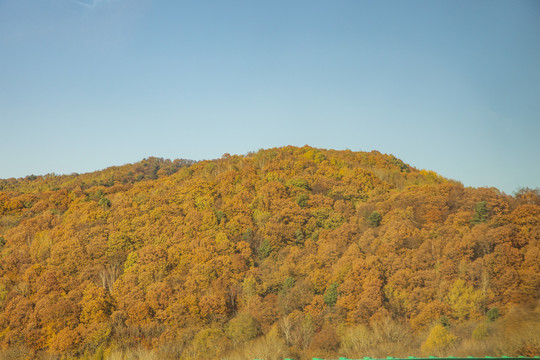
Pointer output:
x,y
307,252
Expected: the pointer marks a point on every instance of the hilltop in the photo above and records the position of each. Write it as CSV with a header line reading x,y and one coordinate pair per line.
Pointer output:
x,y
304,251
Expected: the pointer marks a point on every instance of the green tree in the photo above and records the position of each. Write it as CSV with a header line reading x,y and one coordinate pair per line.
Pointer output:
x,y
444,321
302,200
331,295
220,215
493,314
480,213
264,249
288,284
104,203
375,219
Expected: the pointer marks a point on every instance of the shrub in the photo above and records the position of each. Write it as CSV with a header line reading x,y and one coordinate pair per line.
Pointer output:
x,y
438,340
480,332
493,314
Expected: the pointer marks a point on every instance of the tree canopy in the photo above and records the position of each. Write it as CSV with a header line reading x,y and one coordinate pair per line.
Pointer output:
x,y
306,250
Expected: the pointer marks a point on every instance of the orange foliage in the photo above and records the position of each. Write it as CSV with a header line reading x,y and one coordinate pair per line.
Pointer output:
x,y
162,252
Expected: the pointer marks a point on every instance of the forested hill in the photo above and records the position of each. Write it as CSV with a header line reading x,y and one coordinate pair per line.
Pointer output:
x,y
303,251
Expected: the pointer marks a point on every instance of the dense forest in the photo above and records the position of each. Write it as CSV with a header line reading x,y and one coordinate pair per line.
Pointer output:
x,y
286,252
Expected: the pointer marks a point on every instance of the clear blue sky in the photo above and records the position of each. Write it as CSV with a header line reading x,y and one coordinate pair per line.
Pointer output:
x,y
450,86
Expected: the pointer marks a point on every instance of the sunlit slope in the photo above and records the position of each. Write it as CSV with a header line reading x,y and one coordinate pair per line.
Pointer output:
x,y
308,249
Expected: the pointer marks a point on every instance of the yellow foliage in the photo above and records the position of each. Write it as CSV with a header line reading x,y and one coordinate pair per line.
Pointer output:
x,y
464,300
233,245
95,305
438,340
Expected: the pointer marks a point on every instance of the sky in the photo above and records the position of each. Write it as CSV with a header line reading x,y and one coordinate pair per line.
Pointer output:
x,y
448,86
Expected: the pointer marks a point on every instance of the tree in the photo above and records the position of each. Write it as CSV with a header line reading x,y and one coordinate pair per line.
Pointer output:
x,y
208,256
242,328
375,219
493,314
264,249
95,305
481,213
464,300
331,295
438,341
